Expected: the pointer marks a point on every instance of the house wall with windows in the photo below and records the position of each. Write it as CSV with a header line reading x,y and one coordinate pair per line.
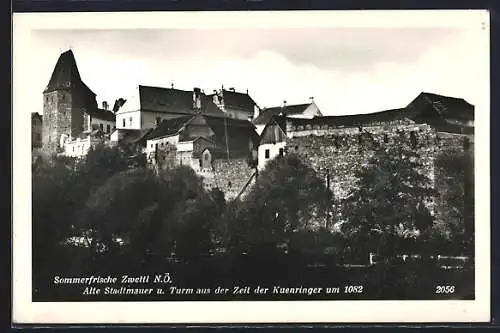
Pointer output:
x,y
269,151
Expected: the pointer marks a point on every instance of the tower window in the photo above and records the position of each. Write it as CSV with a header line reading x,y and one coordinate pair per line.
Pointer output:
x,y
130,121
267,153
123,122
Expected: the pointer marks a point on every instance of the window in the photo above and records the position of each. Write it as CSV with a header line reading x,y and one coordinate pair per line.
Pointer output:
x,y
101,127
413,139
108,128
267,153
205,157
158,121
281,152
38,137
130,121
123,122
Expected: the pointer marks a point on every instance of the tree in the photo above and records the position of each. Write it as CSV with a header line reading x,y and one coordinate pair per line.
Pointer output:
x,y
113,209
288,197
101,163
387,203
457,198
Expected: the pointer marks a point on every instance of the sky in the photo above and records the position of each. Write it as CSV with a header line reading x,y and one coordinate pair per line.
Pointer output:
x,y
347,70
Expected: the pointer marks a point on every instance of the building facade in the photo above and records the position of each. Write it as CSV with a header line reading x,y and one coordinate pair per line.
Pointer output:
x,y
301,111
235,104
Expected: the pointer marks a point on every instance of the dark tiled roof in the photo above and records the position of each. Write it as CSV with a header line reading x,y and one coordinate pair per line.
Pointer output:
x,y
175,101
169,127
66,75
233,127
268,113
102,114
445,106
129,136
236,100
351,120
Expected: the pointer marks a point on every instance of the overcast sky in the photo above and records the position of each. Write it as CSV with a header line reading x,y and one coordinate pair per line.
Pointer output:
x,y
346,70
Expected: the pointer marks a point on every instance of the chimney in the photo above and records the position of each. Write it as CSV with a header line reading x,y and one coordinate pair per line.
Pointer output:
x,y
284,104
105,105
247,91
312,99
172,85
197,99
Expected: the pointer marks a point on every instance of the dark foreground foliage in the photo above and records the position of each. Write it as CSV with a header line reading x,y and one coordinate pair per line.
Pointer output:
x,y
109,215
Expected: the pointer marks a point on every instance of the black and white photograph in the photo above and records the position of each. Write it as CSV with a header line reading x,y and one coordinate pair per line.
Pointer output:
x,y
251,167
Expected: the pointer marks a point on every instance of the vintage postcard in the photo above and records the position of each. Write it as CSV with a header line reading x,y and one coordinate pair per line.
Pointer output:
x,y
251,167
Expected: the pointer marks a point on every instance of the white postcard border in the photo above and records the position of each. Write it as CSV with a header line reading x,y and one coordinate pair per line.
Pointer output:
x,y
27,312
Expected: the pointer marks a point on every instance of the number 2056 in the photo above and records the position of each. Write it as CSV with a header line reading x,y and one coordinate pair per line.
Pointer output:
x,y
445,289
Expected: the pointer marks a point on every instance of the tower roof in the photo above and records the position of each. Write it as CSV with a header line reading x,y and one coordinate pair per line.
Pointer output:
x,y
66,75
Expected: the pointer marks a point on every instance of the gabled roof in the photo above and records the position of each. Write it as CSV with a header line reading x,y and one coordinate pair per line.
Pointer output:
x,y
236,100
169,127
268,136
66,75
171,100
101,114
352,120
131,136
235,128
446,106
268,113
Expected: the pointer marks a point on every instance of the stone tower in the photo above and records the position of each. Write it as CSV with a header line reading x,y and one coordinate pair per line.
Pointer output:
x,y
65,100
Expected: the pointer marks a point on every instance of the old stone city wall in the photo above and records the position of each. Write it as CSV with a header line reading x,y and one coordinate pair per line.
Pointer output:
x,y
339,152
230,176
